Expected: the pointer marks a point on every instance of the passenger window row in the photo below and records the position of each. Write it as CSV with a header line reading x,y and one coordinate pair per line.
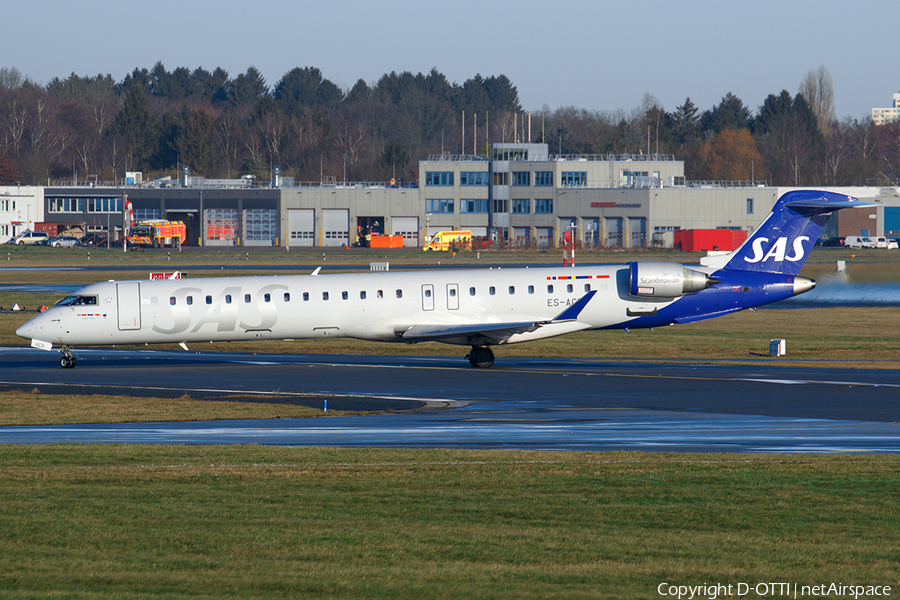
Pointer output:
x,y
492,290
248,298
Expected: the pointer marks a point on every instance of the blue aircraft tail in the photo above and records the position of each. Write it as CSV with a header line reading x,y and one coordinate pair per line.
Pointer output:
x,y
784,240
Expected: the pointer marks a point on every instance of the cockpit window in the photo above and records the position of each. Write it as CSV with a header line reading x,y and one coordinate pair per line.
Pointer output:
x,y
78,301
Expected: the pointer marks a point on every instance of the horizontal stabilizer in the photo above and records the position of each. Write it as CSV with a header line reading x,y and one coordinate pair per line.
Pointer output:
x,y
821,205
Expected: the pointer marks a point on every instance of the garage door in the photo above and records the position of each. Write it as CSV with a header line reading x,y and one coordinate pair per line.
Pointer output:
x,y
891,221
302,227
336,227
638,232
408,227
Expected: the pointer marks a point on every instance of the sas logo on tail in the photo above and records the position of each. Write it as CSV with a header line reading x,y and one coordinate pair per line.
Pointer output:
x,y
778,250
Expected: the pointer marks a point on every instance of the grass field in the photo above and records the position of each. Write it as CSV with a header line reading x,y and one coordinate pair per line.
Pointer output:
x,y
253,522
109,521
35,408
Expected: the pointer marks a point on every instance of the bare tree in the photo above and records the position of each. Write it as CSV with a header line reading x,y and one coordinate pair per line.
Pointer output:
x,y
836,149
818,89
254,156
504,125
349,141
14,124
271,127
11,78
226,138
48,137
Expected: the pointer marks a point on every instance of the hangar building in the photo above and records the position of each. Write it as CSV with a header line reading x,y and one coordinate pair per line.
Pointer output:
x,y
520,194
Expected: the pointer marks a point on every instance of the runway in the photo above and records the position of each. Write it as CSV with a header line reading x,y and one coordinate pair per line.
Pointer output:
x,y
442,402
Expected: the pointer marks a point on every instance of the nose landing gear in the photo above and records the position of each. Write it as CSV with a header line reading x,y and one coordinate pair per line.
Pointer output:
x,y
68,359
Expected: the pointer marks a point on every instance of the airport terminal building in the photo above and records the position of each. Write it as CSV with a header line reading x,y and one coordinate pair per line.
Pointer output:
x,y
519,195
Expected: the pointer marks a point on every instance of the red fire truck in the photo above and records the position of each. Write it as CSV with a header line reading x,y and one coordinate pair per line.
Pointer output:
x,y
158,234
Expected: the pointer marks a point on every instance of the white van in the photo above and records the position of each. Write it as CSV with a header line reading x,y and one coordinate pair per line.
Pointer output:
x,y
856,241
883,242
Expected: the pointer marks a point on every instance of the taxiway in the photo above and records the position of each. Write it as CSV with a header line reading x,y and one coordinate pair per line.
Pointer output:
x,y
535,403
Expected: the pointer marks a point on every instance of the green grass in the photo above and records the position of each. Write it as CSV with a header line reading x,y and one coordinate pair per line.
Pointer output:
x,y
255,522
35,408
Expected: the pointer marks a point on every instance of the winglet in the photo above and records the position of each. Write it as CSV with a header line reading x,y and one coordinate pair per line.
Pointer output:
x,y
571,313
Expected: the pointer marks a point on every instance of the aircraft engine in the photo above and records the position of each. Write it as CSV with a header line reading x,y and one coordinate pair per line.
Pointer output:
x,y
658,279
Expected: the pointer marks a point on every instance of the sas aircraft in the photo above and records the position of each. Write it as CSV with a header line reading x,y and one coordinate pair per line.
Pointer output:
x,y
478,308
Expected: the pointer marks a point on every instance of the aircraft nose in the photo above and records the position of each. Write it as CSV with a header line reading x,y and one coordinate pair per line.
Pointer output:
x,y
30,329
25,331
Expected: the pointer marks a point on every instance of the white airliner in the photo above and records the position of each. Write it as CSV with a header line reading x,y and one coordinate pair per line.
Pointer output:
x,y
477,308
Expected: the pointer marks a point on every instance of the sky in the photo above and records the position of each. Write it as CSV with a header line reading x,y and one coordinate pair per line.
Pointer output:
x,y
589,54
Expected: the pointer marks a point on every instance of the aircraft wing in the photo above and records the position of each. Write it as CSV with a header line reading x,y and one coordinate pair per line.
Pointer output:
x,y
494,332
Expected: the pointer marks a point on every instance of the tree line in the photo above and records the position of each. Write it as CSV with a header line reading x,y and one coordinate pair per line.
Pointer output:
x,y
156,121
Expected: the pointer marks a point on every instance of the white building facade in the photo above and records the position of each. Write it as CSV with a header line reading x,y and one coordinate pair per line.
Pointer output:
x,y
882,116
20,208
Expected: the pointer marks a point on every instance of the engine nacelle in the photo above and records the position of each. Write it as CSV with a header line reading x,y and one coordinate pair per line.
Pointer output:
x,y
658,279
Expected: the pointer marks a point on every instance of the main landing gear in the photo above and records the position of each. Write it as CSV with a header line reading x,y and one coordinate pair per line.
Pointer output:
x,y
68,359
481,357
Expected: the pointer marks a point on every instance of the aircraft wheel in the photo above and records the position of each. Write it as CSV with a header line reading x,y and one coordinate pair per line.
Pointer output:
x,y
67,362
481,357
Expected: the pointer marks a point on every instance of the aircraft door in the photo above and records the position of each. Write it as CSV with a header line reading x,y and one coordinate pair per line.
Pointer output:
x,y
452,296
128,296
428,297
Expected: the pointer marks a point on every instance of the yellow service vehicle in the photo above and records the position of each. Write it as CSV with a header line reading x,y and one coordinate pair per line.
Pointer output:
x,y
450,240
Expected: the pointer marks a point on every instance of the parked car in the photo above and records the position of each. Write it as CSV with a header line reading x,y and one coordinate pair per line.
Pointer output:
x,y
93,240
830,242
883,242
64,241
30,238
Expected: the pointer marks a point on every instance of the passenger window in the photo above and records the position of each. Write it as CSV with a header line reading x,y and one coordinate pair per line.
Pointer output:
x,y
399,293
471,291
227,298
345,295
570,288
492,290
587,287
453,292
428,293
190,300
379,294
209,299
247,298
172,300
362,295
287,297
512,290
550,289
530,289
268,297
324,295
306,296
